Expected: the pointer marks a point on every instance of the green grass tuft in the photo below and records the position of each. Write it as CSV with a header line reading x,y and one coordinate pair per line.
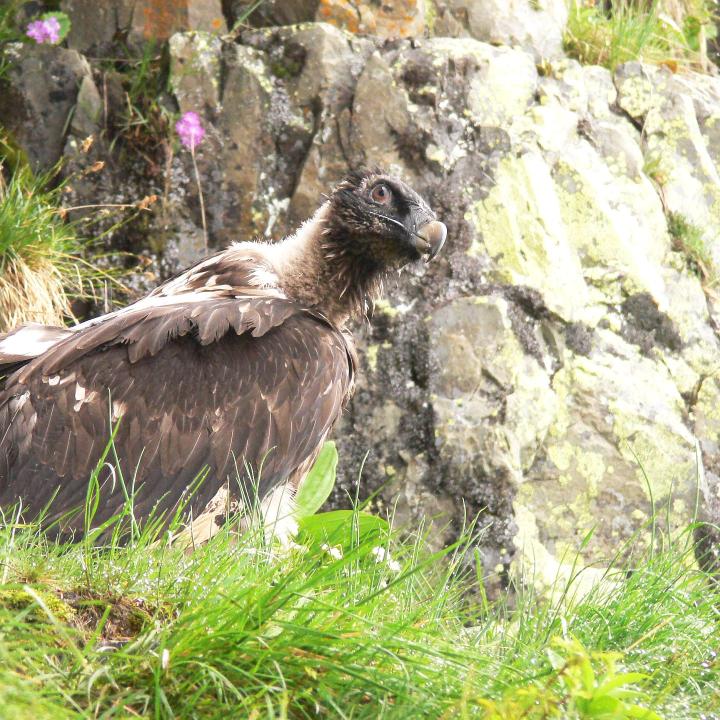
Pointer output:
x,y
36,246
688,239
9,31
242,629
640,30
144,123
44,262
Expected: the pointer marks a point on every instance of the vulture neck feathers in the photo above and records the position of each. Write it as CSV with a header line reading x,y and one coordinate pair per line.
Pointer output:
x,y
317,268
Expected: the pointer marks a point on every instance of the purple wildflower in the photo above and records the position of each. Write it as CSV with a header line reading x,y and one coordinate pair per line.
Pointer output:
x,y
190,129
44,31
36,31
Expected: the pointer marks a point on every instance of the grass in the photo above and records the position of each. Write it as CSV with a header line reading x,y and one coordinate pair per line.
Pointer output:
x,y
9,31
145,120
35,248
242,629
688,239
674,34
45,264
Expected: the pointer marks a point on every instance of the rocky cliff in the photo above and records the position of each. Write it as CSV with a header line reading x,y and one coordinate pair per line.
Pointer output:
x,y
558,369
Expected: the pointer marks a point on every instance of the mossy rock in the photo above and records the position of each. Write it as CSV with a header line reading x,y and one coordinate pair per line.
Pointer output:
x,y
11,154
19,599
122,618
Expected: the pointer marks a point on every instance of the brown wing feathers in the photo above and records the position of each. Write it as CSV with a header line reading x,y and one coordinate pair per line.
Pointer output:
x,y
209,378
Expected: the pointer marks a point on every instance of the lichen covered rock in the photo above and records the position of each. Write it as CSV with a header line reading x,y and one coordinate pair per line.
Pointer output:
x,y
38,95
536,26
96,24
554,370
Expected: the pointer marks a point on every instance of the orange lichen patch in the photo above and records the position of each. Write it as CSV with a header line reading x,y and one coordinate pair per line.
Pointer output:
x,y
341,14
161,18
404,18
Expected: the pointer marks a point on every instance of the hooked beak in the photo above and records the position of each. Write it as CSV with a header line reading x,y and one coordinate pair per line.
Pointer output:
x,y
429,239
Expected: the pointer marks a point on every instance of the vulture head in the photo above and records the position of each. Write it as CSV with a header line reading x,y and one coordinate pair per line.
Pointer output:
x,y
372,224
381,223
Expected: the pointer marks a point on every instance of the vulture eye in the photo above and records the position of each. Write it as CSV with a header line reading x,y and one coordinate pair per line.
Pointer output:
x,y
381,194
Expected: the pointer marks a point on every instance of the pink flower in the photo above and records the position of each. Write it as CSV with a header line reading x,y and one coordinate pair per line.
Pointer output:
x,y
44,31
190,129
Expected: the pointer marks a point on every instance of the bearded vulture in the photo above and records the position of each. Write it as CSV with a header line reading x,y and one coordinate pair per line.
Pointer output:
x,y
237,368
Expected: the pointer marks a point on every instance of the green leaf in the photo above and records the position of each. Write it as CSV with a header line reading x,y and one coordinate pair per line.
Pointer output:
x,y
318,484
341,527
635,711
624,679
587,673
63,21
603,706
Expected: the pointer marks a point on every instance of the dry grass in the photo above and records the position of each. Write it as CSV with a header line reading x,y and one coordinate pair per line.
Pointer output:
x,y
34,240
35,244
43,264
32,293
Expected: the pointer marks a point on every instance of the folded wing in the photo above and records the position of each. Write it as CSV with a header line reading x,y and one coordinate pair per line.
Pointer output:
x,y
238,385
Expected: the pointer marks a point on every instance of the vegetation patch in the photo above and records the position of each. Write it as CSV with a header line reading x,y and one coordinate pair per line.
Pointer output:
x,y
38,605
8,26
365,624
44,263
36,249
688,239
674,34
144,113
